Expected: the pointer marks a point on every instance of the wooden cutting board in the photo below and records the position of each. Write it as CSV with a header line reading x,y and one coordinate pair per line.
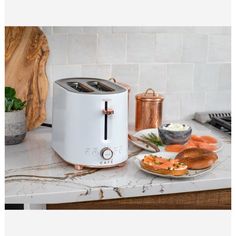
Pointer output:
x,y
26,54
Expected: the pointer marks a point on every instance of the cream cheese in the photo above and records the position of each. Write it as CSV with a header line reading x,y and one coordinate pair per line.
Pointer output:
x,y
176,127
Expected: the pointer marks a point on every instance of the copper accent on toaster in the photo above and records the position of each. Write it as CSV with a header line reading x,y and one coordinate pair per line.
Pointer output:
x,y
124,85
121,84
108,111
148,110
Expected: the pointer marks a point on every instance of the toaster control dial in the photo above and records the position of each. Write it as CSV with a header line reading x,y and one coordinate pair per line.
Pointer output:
x,y
106,153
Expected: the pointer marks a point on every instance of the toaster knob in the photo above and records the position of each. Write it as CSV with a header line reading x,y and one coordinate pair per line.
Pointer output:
x,y
106,153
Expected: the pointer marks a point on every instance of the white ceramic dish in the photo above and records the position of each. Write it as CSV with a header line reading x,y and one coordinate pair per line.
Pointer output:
x,y
140,133
190,174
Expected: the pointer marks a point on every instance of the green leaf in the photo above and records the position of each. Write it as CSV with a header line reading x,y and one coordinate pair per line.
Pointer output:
x,y
10,92
8,104
11,102
18,104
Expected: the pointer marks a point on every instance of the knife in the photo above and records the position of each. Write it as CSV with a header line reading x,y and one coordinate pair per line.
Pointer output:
x,y
148,144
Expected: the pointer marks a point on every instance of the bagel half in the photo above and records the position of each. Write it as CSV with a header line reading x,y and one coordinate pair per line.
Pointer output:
x,y
197,158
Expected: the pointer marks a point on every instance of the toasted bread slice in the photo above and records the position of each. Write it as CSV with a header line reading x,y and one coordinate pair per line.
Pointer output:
x,y
173,170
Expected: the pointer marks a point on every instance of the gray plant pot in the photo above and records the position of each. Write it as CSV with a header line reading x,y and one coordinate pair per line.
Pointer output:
x,y
15,127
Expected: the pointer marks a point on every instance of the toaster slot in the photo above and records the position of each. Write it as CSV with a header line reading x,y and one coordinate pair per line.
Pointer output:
x,y
100,86
80,87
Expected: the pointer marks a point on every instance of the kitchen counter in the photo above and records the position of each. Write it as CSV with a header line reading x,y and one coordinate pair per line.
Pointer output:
x,y
36,175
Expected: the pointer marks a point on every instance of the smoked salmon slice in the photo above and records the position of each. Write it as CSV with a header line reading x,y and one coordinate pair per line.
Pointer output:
x,y
209,139
206,142
174,148
196,138
207,146
190,144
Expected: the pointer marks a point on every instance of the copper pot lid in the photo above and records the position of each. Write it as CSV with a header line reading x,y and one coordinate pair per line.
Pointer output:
x,y
149,95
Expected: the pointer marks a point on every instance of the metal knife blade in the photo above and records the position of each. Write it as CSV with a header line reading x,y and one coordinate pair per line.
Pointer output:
x,y
149,144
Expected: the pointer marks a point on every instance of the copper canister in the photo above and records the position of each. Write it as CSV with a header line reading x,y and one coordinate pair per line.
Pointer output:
x,y
148,110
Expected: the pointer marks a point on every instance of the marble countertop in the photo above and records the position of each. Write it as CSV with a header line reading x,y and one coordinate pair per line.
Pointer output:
x,y
35,174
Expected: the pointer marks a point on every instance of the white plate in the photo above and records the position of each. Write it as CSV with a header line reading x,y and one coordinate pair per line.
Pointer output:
x,y
140,133
190,174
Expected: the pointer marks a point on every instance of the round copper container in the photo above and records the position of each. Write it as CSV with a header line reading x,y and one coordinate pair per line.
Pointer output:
x,y
148,110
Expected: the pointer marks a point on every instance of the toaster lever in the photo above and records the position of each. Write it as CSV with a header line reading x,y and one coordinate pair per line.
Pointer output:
x,y
108,111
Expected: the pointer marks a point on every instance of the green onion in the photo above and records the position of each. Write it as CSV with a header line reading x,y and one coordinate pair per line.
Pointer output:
x,y
153,138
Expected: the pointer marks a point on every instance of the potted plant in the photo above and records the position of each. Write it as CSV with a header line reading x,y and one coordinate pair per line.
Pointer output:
x,y
15,122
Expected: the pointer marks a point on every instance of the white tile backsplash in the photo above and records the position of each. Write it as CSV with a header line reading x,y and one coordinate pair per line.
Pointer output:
x,y
206,77
65,71
127,73
96,71
67,29
180,77
171,106
82,48
47,30
58,46
111,48
49,102
49,109
225,77
191,103
153,76
153,29
219,48
218,101
132,103
212,29
174,29
195,47
190,66
141,47
100,29
131,29
169,47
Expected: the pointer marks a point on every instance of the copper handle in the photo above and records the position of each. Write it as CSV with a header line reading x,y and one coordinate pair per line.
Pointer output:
x,y
153,92
108,112
112,79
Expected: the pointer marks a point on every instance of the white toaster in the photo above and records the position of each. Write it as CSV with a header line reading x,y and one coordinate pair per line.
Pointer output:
x,y
90,122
